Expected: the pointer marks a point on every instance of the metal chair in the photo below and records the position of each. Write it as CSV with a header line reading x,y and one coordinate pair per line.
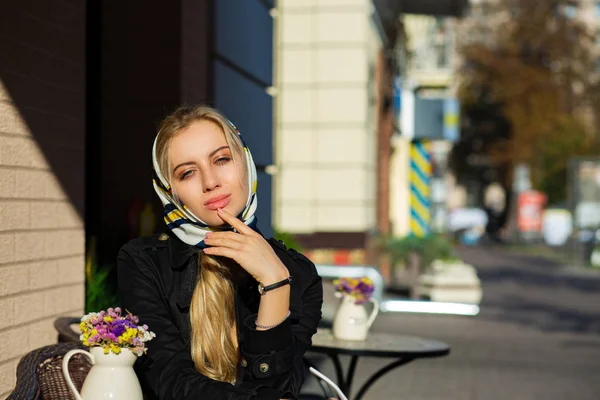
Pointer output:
x,y
40,376
333,386
330,389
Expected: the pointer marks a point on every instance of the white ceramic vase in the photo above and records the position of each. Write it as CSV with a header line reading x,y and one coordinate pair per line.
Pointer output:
x,y
111,377
351,320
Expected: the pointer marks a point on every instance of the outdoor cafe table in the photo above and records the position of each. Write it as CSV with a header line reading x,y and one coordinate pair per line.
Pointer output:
x,y
384,345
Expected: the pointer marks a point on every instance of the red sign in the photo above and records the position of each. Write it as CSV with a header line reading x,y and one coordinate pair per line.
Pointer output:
x,y
531,206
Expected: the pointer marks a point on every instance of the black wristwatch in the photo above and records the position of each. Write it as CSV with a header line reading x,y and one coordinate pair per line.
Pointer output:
x,y
264,289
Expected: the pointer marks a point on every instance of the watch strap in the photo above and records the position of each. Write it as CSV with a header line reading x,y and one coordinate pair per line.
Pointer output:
x,y
264,289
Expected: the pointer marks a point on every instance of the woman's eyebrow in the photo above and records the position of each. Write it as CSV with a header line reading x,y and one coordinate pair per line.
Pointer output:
x,y
217,150
192,162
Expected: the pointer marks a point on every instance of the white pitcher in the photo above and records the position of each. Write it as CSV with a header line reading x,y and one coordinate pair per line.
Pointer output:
x,y
351,321
111,377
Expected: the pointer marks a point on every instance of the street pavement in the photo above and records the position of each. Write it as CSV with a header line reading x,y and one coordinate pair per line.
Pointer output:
x,y
537,337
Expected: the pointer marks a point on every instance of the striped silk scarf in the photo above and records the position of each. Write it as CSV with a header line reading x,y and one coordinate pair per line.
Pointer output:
x,y
180,219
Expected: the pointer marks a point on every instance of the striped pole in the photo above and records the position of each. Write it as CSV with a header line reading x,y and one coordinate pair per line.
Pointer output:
x,y
420,174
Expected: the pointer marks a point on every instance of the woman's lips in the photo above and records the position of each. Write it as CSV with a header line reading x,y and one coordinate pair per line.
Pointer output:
x,y
220,202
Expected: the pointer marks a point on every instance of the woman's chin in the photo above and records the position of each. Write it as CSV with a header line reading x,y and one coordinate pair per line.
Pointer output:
x,y
212,219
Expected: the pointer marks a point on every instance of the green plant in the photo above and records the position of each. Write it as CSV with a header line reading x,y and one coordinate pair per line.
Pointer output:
x,y
287,238
428,249
100,293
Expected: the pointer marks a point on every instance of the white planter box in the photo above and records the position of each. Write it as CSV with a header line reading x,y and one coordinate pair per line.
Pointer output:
x,y
454,282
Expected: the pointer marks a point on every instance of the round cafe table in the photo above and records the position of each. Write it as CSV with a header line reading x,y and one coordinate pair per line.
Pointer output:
x,y
384,345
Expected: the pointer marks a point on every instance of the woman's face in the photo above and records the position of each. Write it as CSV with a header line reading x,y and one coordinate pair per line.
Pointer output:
x,y
203,174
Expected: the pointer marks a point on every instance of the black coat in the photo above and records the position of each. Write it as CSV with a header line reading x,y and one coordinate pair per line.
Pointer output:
x,y
156,278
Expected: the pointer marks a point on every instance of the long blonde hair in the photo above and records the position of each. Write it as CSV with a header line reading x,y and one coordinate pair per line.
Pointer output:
x,y
214,344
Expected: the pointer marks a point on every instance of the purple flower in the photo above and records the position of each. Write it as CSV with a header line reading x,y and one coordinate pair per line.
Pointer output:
x,y
118,328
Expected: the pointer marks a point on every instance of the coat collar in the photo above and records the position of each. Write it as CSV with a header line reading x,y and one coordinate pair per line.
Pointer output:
x,y
181,255
180,252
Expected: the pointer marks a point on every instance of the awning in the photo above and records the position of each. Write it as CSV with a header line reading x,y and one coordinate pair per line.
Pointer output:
x,y
389,10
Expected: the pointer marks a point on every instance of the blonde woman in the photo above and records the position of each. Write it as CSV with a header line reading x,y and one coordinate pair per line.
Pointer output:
x,y
233,313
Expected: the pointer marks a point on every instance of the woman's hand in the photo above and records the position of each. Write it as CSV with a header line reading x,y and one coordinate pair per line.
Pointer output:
x,y
249,249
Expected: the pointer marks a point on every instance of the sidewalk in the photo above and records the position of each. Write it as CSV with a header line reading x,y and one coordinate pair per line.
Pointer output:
x,y
537,337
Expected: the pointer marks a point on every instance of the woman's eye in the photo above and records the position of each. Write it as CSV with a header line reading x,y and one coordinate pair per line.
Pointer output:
x,y
222,160
186,174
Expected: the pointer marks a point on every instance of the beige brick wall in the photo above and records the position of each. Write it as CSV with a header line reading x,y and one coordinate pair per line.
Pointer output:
x,y
42,236
325,135
41,248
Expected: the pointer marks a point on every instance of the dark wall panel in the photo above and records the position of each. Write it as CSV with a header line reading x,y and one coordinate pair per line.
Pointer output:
x,y
244,36
249,107
265,204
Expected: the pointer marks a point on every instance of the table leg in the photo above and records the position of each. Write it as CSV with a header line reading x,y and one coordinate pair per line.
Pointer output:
x,y
345,384
339,372
379,374
350,375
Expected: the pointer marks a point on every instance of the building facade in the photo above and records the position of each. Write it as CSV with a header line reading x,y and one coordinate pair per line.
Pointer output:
x,y
327,68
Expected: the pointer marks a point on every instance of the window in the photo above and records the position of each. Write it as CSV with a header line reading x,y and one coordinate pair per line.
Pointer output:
x,y
570,10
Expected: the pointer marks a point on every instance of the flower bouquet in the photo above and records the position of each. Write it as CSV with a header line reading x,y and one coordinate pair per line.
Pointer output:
x,y
113,331
351,321
358,289
116,341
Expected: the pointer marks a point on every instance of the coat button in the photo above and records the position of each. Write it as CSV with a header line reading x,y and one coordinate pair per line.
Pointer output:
x,y
264,368
244,363
163,237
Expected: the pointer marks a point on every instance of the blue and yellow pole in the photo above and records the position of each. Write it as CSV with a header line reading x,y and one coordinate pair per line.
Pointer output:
x,y
420,175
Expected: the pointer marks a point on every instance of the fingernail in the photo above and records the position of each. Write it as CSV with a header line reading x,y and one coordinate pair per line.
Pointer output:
x,y
208,234
219,210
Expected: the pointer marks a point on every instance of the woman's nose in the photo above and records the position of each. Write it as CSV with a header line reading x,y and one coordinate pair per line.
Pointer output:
x,y
210,180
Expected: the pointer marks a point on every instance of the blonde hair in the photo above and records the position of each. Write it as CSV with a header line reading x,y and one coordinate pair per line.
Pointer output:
x,y
214,344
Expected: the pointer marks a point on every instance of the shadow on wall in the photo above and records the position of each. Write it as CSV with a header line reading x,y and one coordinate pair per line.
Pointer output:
x,y
42,96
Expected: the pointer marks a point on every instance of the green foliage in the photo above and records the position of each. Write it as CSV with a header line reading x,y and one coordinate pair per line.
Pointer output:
x,y
429,248
100,293
532,71
289,240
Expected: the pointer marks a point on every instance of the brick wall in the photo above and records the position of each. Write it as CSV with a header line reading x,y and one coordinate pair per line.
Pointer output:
x,y
42,100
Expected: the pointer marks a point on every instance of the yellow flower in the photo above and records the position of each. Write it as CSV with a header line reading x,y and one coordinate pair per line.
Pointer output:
x,y
85,342
106,350
116,349
108,318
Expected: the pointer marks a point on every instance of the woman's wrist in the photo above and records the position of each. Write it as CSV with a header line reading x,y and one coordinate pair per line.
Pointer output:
x,y
274,276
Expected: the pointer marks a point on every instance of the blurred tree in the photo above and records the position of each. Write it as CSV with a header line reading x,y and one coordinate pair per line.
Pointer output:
x,y
529,73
